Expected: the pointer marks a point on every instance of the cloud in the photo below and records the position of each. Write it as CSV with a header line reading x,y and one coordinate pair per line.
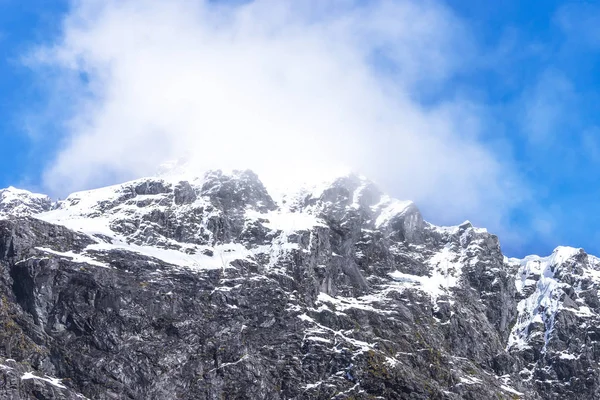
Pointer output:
x,y
282,87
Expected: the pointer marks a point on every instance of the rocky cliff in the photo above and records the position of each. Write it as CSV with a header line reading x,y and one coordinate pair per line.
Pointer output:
x,y
209,288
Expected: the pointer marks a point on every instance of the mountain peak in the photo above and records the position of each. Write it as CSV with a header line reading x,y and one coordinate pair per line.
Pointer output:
x,y
19,202
335,272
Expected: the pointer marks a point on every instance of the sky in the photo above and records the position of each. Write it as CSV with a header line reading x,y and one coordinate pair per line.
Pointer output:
x,y
487,114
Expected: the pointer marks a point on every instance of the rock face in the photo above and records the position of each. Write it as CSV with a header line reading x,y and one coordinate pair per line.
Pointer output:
x,y
208,288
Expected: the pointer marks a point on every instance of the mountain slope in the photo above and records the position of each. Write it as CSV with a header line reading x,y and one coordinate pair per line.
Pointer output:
x,y
207,287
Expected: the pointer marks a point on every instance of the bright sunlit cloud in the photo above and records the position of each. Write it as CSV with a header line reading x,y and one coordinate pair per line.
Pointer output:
x,y
282,87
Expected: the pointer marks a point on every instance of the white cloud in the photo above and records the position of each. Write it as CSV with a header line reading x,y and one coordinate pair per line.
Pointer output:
x,y
281,87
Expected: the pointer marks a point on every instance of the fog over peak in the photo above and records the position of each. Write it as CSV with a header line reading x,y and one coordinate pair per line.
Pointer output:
x,y
284,88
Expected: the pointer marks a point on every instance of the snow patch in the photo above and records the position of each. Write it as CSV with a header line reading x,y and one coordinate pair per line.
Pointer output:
x,y
345,303
470,380
53,381
567,356
287,222
446,268
511,390
390,208
75,257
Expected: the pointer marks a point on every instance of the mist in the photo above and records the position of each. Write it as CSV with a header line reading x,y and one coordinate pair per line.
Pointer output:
x,y
287,88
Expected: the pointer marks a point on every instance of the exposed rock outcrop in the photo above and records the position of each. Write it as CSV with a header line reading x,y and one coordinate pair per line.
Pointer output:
x,y
207,288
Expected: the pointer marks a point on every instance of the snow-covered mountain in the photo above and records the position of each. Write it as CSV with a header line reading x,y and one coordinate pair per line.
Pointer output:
x,y
18,203
183,286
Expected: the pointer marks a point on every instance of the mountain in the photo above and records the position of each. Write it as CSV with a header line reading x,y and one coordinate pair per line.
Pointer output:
x,y
209,287
19,203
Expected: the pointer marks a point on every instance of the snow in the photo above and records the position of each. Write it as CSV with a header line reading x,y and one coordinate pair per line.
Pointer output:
x,y
294,189
94,212
53,381
567,356
542,305
19,202
511,390
224,365
318,339
287,222
364,184
322,329
313,385
534,264
77,258
390,208
445,269
455,229
91,226
11,193
345,303
353,388
100,225
342,304
470,380
223,254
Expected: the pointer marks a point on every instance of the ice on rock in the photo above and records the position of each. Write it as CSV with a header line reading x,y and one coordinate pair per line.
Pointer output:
x,y
547,284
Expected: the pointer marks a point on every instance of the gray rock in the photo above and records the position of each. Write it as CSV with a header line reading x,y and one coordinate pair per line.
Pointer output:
x,y
184,193
365,300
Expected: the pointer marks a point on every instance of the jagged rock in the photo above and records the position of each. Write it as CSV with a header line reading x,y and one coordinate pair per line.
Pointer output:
x,y
207,288
184,193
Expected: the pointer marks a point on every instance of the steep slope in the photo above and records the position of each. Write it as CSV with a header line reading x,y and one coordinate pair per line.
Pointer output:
x,y
207,287
558,327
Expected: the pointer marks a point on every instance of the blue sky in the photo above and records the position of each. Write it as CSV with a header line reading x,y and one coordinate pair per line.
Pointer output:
x,y
24,24
526,74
